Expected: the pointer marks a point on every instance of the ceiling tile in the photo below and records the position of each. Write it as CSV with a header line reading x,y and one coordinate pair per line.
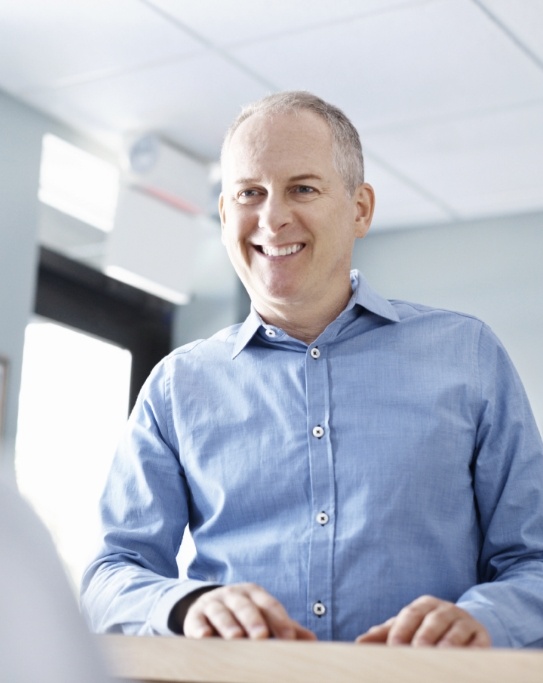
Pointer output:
x,y
429,60
62,42
228,23
479,166
180,99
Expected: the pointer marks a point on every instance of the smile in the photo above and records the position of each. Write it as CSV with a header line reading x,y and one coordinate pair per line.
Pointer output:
x,y
281,251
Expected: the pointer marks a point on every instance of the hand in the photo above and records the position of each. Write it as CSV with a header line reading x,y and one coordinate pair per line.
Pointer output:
x,y
431,622
242,610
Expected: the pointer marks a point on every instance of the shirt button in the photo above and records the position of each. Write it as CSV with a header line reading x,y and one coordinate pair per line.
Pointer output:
x,y
315,353
319,609
322,518
270,333
318,431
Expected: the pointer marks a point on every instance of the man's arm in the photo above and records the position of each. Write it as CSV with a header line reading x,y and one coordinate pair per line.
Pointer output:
x,y
506,607
132,584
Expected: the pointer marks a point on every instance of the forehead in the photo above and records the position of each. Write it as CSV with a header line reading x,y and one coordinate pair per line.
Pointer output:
x,y
295,142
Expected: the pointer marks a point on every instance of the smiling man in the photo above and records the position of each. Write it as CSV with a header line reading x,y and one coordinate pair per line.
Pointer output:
x,y
349,467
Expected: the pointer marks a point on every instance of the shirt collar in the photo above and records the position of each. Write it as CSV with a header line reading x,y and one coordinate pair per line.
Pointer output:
x,y
247,331
363,295
367,297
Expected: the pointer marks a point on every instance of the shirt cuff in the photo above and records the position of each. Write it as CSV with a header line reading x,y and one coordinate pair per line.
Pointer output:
x,y
165,604
498,633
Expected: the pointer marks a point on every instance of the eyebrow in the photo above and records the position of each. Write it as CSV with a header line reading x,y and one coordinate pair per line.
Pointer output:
x,y
292,179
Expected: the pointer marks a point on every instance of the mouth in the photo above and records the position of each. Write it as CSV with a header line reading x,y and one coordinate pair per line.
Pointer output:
x,y
274,252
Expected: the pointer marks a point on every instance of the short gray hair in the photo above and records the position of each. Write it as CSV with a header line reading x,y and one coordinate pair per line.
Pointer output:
x,y
346,145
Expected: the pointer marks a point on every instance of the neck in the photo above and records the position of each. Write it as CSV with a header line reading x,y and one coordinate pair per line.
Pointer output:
x,y
301,321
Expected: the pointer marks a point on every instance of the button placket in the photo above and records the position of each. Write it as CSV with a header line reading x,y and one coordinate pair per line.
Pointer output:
x,y
320,574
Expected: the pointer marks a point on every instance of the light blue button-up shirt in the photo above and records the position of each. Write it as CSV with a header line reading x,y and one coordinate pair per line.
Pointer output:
x,y
395,456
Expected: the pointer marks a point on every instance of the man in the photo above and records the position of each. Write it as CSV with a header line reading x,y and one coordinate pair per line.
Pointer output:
x,y
350,468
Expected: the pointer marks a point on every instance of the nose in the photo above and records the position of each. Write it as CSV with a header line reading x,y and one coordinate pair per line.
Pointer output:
x,y
275,213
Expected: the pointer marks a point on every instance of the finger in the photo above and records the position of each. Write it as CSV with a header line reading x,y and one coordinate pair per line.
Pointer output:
x,y
465,632
279,623
196,625
246,610
216,616
410,619
482,638
304,633
438,625
376,634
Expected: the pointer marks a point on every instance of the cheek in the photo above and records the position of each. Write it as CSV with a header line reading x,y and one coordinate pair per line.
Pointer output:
x,y
234,243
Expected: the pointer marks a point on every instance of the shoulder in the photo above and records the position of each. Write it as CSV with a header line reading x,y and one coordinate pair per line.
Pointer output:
x,y
220,341
215,348
189,364
433,327
439,319
408,310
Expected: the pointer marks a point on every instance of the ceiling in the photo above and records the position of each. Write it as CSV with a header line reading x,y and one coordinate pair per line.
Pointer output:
x,y
447,94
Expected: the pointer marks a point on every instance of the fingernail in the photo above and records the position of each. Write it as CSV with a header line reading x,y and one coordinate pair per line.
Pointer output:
x,y
259,631
203,632
233,632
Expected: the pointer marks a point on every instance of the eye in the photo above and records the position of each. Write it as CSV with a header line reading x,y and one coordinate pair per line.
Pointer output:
x,y
248,195
304,189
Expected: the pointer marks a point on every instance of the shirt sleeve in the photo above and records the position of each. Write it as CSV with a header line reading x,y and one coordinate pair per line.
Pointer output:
x,y
133,583
508,488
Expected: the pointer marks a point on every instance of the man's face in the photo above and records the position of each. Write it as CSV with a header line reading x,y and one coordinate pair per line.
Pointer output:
x,y
288,222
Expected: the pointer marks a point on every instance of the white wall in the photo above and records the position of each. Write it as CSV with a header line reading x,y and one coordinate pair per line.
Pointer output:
x,y
490,268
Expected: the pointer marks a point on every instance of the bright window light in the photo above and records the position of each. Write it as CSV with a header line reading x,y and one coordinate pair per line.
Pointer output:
x,y
72,409
78,183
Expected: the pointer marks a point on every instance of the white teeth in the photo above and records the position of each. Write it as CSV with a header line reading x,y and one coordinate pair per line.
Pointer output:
x,y
281,251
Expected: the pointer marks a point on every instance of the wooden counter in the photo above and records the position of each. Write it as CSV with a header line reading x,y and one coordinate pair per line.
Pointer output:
x,y
178,660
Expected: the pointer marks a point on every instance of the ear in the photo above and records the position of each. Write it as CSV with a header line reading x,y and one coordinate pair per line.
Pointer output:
x,y
222,215
364,198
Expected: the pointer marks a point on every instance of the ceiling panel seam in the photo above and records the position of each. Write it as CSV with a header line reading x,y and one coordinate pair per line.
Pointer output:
x,y
211,46
345,20
509,33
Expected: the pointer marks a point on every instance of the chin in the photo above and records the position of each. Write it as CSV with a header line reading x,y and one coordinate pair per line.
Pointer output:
x,y
276,291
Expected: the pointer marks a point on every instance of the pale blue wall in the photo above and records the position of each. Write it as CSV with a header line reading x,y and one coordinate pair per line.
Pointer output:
x,y
490,268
